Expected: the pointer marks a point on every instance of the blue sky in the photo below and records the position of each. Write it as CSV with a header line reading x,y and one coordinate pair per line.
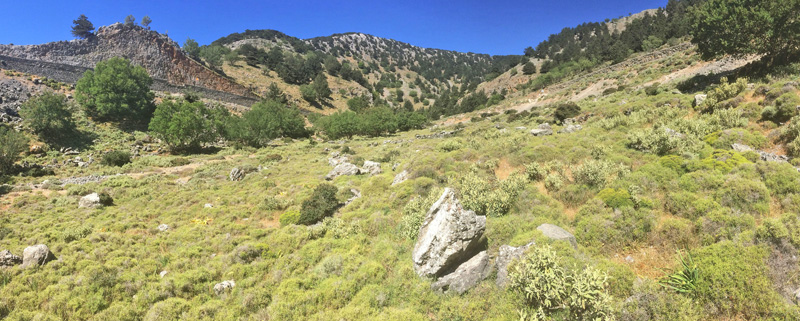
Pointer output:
x,y
493,27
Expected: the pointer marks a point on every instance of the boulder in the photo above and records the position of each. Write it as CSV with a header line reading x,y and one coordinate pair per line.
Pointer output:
x,y
90,201
163,227
36,255
8,259
336,159
542,130
699,99
466,276
449,236
373,168
236,174
558,234
343,169
771,157
741,148
401,177
224,287
505,256
570,129
356,195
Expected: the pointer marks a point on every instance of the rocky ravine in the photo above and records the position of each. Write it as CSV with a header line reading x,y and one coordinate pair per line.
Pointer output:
x,y
160,55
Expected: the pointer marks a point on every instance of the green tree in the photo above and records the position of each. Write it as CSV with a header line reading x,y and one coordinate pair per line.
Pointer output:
x,y
340,124
378,121
276,94
265,121
651,43
116,90
184,125
82,27
191,47
529,52
213,54
47,115
743,27
12,143
332,65
130,21
321,88
146,22
308,93
408,106
358,104
529,68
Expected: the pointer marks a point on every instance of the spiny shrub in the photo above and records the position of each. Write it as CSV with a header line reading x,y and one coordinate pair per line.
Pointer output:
x,y
734,279
720,160
116,158
723,224
656,141
723,92
321,204
744,195
554,182
490,198
725,138
613,228
536,171
548,288
615,198
450,145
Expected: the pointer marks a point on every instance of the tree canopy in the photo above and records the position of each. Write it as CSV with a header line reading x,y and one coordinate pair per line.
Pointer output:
x,y
82,27
116,90
743,27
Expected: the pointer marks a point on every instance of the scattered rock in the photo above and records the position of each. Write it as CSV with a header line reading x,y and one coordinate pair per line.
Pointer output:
x,y
771,157
343,169
163,227
236,174
542,130
336,159
520,128
673,133
224,287
208,205
373,168
401,177
699,99
36,255
741,148
163,273
442,134
466,276
8,259
505,255
356,195
629,259
90,201
554,232
449,236
571,128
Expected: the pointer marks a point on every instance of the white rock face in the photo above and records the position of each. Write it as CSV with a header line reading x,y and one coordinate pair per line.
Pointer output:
x,y
343,169
373,168
466,276
36,255
90,201
401,177
449,236
224,287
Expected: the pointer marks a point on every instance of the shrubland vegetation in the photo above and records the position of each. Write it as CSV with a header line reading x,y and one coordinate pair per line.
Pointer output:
x,y
671,221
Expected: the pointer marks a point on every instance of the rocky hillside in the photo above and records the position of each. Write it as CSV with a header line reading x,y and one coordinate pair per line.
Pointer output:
x,y
157,53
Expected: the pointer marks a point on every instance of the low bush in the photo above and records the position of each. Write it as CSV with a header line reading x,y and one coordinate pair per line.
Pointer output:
x,y
12,144
615,228
744,195
784,109
290,217
321,204
116,158
47,115
723,224
487,197
566,110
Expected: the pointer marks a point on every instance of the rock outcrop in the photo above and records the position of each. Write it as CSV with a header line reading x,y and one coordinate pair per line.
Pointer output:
x,y
9,259
373,168
343,169
556,233
236,174
699,99
160,55
90,201
449,236
224,287
36,255
400,177
542,130
466,276
505,256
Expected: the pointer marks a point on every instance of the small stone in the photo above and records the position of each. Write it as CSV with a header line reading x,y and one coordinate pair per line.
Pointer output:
x,y
629,259
163,273
163,227
8,259
90,201
208,205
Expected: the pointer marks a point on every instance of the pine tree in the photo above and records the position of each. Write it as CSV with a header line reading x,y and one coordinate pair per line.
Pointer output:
x,y
529,68
321,88
130,21
82,27
146,22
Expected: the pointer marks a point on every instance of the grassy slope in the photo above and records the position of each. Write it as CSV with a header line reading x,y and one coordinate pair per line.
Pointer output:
x,y
110,258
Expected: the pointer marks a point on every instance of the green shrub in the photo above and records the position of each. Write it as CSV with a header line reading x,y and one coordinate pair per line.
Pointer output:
x,y
290,217
116,158
723,224
487,197
116,90
724,92
414,213
745,195
105,199
12,144
615,228
595,173
321,204
688,205
656,141
536,171
47,115
615,198
720,160
724,139
554,182
549,288
653,302
734,279
781,179
566,110
449,145
785,108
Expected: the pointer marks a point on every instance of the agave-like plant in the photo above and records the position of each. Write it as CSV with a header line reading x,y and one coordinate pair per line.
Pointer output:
x,y
684,280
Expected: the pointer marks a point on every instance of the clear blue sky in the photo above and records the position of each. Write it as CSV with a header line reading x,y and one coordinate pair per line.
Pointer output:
x,y
482,26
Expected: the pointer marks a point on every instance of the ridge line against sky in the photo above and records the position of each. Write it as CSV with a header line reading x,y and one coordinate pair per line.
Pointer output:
x,y
501,27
